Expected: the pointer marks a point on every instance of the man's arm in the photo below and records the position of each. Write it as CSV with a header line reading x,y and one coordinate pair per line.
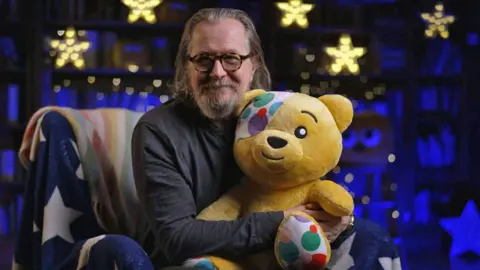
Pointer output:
x,y
164,191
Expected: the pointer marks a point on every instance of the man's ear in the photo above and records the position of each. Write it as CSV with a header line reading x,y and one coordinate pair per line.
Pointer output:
x,y
341,108
247,98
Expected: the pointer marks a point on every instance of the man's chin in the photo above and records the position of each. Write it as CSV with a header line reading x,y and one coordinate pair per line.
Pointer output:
x,y
220,109
217,110
216,113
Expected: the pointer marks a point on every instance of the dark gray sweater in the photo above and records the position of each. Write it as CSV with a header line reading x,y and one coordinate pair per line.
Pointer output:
x,y
182,163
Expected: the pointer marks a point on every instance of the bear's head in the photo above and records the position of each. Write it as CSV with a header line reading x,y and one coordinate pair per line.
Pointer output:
x,y
284,139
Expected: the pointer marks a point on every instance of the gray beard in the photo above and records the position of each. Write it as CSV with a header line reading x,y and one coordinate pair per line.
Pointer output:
x,y
208,109
211,106
214,110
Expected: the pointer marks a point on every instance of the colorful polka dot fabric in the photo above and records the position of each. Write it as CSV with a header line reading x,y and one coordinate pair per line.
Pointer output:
x,y
256,116
301,245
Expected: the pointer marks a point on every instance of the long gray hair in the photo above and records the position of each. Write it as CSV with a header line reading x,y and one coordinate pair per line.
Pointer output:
x,y
261,78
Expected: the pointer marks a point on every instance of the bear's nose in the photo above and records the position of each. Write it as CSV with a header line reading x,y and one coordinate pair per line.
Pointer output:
x,y
276,142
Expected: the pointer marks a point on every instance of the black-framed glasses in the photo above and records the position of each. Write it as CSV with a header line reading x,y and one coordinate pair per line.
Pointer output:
x,y
230,61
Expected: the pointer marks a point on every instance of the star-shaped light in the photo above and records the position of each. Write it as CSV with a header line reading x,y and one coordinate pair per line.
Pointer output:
x,y
345,56
70,49
57,218
142,9
465,231
294,11
437,22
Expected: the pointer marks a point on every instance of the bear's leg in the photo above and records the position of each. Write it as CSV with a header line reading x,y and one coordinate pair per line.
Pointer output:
x,y
301,244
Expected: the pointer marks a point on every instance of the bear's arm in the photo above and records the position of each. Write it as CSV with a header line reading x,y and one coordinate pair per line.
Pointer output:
x,y
332,197
227,207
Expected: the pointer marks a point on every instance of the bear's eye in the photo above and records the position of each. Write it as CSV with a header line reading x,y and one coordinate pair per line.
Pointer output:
x,y
300,132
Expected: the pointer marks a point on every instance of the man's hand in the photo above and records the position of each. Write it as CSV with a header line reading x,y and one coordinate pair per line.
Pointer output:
x,y
311,210
332,226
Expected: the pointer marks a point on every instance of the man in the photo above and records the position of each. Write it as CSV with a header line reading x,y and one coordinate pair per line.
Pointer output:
x,y
182,151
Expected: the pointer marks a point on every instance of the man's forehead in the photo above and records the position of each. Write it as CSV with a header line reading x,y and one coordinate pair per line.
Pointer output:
x,y
222,36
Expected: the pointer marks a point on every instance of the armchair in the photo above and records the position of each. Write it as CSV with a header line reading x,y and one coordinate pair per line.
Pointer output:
x,y
80,209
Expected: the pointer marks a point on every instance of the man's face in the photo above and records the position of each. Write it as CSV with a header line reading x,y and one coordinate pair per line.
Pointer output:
x,y
218,91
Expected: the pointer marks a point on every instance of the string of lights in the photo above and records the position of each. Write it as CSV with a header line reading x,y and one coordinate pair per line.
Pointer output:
x,y
294,12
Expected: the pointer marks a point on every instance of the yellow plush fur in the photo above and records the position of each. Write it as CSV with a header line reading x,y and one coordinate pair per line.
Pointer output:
x,y
279,179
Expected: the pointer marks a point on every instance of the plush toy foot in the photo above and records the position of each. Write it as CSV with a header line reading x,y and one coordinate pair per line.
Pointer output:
x,y
200,263
301,244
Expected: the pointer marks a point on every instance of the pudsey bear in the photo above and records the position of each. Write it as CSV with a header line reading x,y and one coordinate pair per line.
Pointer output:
x,y
284,143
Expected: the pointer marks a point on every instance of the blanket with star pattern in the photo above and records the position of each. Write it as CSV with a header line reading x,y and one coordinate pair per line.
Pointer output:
x,y
367,246
79,187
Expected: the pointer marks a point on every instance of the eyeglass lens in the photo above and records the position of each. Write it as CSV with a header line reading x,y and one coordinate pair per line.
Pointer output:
x,y
206,63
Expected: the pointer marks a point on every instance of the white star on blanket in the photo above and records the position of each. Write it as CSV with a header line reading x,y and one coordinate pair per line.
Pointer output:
x,y
79,171
341,258
57,218
390,263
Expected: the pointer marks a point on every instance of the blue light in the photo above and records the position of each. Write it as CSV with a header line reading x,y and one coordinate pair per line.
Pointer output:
x,y
429,98
178,6
393,58
160,42
7,163
12,108
472,39
132,48
4,221
67,97
465,230
125,101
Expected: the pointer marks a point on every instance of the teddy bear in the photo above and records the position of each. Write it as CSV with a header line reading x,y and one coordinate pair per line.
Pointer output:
x,y
284,143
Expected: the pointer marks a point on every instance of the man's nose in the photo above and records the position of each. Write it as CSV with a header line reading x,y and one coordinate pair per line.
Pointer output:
x,y
217,70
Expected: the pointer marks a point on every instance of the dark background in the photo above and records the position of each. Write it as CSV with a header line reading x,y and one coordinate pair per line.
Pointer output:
x,y
411,157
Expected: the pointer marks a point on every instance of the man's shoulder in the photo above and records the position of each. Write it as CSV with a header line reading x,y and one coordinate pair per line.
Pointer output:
x,y
159,113
165,109
165,118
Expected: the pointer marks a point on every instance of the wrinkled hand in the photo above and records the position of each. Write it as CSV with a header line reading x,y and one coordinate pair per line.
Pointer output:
x,y
332,226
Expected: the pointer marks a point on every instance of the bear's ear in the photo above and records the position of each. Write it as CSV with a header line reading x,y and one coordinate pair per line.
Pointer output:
x,y
247,98
341,108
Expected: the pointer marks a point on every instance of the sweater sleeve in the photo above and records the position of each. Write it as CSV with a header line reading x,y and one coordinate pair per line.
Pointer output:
x,y
166,194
